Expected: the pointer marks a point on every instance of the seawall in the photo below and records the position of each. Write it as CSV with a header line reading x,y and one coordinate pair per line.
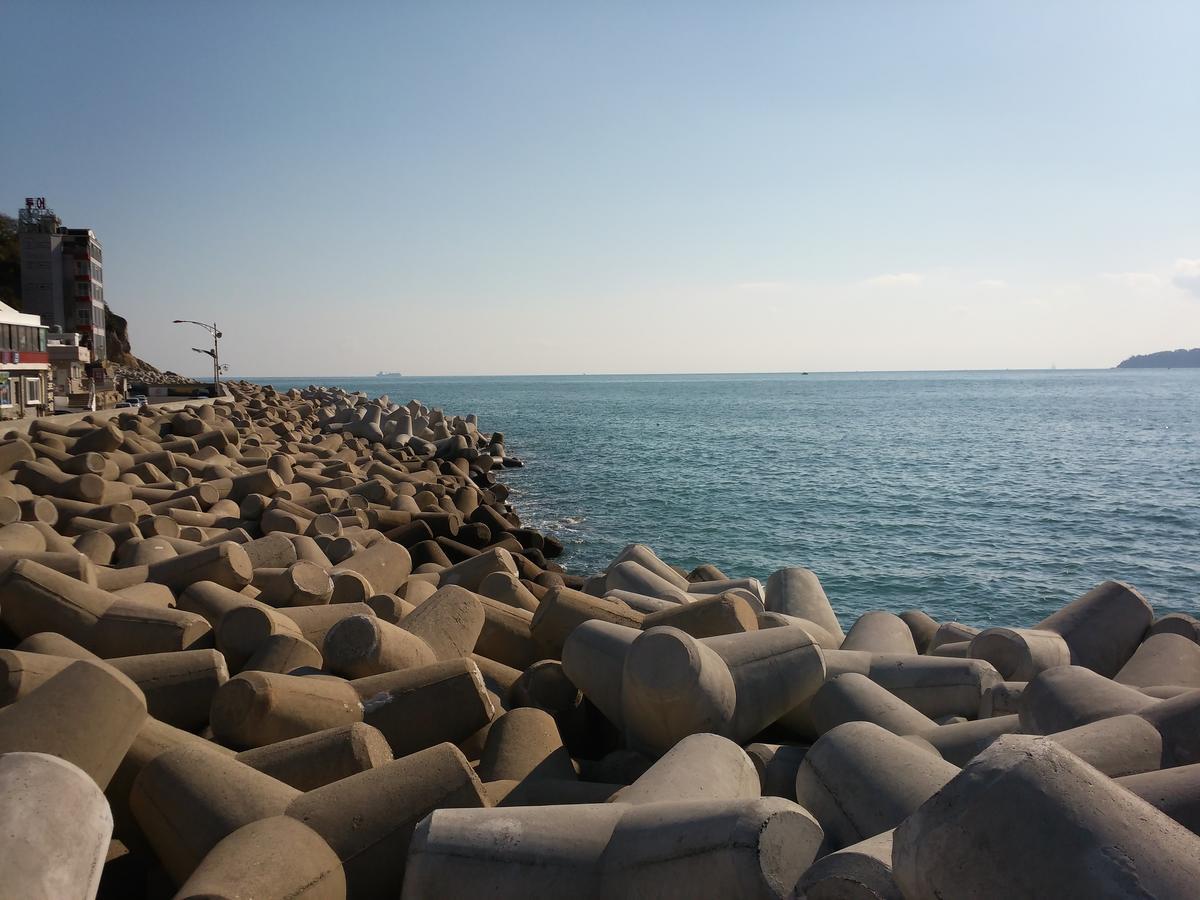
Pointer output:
x,y
300,645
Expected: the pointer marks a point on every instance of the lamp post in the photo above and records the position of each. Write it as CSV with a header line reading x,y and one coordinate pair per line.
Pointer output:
x,y
216,336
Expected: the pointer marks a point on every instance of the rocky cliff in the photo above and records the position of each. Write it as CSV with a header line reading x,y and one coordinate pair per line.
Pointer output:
x,y
119,349
1164,359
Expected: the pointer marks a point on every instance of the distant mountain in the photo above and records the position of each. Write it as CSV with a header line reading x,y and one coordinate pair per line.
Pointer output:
x,y
1164,359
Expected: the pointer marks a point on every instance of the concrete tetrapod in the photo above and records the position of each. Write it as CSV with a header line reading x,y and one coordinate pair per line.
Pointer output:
x,y
385,564
277,858
645,557
1178,623
922,626
284,653
724,848
1027,818
274,551
777,765
735,685
226,564
880,632
936,687
723,614
636,578
798,720
951,633
933,686
51,644
392,607
153,739
303,583
128,628
1068,696
797,591
449,622
699,767
21,672
178,687
1002,699
55,827
749,589
955,650
1103,627
470,572
188,799
961,741
860,780
852,697
562,610
824,639
593,659
1020,653
368,819
1162,659
511,853
359,646
1120,745
88,714
524,744
422,707
1177,721
212,601
314,622
39,599
1174,791
643,603
755,848
862,871
258,708
323,757
506,588
771,672
243,627
506,636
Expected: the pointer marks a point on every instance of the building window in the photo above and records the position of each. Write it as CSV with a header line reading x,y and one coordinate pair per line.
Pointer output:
x,y
22,338
33,391
41,332
5,390
83,315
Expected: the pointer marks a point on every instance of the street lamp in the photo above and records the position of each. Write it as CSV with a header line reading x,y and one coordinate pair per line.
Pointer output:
x,y
216,336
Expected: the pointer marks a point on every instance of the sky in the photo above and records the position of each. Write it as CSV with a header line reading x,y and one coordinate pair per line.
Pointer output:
x,y
546,187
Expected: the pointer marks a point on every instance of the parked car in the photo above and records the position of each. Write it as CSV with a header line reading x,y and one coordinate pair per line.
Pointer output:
x,y
126,404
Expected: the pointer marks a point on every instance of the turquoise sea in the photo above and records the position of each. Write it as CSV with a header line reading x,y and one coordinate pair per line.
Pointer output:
x,y
986,497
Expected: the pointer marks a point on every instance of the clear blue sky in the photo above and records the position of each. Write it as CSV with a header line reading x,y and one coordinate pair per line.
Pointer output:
x,y
484,187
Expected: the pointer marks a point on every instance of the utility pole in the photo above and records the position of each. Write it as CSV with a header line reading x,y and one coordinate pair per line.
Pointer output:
x,y
214,352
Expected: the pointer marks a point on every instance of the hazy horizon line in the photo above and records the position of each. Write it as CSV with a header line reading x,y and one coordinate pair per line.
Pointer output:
x,y
421,377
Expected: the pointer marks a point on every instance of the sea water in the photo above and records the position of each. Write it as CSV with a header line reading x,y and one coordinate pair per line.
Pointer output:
x,y
983,497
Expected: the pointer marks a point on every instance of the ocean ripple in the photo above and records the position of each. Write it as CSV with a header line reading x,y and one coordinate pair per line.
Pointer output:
x,y
990,498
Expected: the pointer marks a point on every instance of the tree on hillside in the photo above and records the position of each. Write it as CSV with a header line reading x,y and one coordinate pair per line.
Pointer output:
x,y
10,262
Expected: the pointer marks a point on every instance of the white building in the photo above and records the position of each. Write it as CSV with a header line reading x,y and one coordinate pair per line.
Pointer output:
x,y
69,360
25,383
62,275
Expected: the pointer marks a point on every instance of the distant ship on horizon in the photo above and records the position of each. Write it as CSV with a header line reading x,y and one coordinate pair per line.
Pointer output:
x,y
388,375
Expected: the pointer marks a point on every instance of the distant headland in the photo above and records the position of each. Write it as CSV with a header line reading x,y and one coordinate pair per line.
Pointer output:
x,y
1164,359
